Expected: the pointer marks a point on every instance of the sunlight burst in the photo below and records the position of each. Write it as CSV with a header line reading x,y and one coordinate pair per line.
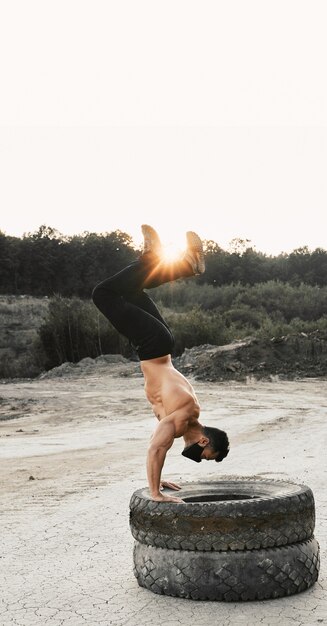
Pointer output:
x,y
171,252
173,244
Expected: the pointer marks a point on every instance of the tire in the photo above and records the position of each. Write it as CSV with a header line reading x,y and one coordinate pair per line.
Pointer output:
x,y
233,514
228,576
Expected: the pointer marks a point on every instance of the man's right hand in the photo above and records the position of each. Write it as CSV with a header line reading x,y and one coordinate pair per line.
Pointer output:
x,y
162,498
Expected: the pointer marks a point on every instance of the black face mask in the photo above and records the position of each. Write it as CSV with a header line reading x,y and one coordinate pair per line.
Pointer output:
x,y
193,452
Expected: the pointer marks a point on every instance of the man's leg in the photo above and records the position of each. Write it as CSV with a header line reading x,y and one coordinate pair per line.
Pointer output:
x,y
143,301
131,311
147,272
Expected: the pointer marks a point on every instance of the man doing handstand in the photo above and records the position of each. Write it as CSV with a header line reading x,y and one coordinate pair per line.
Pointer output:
x,y
122,299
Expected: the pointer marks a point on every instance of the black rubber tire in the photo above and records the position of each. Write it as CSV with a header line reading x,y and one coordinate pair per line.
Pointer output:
x,y
251,514
229,576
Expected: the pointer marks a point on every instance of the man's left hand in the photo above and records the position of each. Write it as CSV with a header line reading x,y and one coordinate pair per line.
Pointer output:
x,y
169,485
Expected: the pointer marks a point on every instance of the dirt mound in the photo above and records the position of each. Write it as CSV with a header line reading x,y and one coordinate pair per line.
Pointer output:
x,y
85,366
288,356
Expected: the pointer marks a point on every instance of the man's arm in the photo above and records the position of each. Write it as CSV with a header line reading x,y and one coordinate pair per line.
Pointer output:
x,y
161,441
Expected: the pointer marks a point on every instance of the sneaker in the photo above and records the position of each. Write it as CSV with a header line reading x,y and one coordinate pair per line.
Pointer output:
x,y
194,253
152,241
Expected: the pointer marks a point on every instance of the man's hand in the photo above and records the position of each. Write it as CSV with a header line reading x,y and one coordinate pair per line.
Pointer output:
x,y
162,498
169,485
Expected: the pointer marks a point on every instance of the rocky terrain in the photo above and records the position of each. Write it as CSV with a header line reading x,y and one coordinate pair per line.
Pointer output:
x,y
288,357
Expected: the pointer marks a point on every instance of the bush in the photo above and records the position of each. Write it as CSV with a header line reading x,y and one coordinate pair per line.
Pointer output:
x,y
303,301
74,329
196,327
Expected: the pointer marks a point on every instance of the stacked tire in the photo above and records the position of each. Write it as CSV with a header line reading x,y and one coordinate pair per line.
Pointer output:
x,y
232,540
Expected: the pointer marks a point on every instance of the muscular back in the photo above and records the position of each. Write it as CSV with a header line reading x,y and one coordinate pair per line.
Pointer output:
x,y
167,389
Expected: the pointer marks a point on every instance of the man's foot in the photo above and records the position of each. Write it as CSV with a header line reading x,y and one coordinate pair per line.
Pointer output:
x,y
152,241
194,254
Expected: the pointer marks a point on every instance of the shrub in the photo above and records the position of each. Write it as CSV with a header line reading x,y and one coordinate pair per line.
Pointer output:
x,y
74,329
196,327
303,301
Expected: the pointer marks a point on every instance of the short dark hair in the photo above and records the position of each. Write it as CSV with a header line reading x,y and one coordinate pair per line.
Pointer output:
x,y
218,441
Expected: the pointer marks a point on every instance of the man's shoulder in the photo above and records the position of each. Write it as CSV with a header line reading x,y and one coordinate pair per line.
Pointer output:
x,y
184,416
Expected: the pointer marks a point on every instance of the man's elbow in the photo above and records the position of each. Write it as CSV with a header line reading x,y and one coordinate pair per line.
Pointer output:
x,y
155,451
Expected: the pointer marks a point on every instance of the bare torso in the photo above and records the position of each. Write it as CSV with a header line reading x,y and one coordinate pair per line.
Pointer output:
x,y
167,389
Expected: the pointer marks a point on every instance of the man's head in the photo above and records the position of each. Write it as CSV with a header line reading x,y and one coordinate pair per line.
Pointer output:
x,y
213,445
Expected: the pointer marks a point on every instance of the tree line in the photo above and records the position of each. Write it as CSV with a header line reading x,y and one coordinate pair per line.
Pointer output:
x,y
47,263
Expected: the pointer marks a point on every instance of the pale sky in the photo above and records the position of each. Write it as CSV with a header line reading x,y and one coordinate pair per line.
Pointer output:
x,y
207,116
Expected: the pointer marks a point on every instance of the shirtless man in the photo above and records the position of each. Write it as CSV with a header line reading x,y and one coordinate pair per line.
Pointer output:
x,y
132,312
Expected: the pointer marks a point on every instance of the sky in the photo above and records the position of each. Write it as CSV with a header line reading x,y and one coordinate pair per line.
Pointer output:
x,y
186,115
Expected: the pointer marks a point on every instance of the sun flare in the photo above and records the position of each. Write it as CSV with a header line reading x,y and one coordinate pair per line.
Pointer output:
x,y
173,245
171,252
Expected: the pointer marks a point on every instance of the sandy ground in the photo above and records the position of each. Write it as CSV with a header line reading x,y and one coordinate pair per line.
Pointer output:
x,y
66,547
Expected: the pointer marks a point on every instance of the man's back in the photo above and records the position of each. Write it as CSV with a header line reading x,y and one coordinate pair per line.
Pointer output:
x,y
167,389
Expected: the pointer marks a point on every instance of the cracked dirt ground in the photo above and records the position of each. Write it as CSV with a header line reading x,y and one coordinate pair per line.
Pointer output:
x,y
75,452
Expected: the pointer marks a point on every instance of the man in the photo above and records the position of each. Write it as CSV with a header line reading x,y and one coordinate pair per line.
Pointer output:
x,y
132,312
